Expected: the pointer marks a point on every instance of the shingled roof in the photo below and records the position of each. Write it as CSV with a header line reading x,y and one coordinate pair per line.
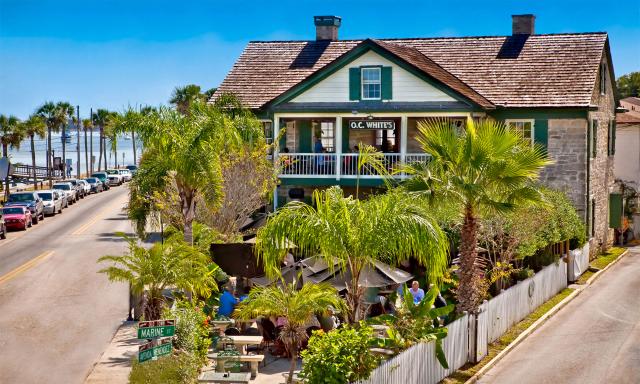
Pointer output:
x,y
555,70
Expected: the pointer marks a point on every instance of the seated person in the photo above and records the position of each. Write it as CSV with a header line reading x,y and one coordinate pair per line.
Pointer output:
x,y
228,302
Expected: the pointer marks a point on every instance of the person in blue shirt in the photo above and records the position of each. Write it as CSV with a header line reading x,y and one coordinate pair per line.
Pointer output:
x,y
417,292
245,294
228,303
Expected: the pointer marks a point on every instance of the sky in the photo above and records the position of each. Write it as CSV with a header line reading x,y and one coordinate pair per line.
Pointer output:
x,y
114,53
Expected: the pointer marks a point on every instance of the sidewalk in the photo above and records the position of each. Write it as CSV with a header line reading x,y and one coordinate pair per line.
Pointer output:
x,y
115,363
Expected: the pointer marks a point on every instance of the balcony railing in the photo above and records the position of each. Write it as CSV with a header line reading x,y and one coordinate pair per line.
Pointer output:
x,y
331,165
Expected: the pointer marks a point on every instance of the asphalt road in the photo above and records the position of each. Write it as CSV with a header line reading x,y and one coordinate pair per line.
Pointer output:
x,y
57,315
594,339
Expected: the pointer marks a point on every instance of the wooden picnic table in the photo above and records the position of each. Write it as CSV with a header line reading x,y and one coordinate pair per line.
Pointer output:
x,y
224,377
243,341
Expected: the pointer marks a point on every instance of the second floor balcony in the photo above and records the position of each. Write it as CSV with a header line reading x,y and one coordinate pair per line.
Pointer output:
x,y
345,165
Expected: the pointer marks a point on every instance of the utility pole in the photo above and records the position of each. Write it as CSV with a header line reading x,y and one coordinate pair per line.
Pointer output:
x,y
91,141
78,125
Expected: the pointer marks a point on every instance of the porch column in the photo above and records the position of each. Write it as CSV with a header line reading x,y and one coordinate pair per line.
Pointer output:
x,y
276,149
338,147
403,142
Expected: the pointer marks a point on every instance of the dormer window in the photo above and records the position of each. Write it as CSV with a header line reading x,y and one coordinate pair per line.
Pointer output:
x,y
371,83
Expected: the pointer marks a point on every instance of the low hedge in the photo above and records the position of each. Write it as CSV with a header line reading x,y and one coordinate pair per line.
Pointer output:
x,y
179,368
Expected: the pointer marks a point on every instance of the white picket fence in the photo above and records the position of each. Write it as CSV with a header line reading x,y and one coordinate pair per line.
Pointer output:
x,y
418,364
579,262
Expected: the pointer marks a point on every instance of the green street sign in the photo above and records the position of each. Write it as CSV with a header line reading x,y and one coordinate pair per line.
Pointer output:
x,y
148,351
156,328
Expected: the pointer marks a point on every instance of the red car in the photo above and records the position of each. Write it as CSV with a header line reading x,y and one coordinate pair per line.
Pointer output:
x,y
17,217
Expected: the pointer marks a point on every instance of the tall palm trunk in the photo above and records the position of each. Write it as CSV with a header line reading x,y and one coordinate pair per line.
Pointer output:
x,y
470,292
188,202
133,142
64,152
33,162
115,150
104,148
86,154
100,155
49,158
354,294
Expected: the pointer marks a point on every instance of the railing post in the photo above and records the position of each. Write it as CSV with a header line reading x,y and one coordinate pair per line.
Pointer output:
x,y
403,142
338,147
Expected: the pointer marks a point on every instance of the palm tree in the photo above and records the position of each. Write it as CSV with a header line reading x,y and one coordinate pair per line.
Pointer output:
x,y
11,134
101,119
486,168
183,97
297,306
34,126
171,264
87,124
187,150
68,110
355,234
55,116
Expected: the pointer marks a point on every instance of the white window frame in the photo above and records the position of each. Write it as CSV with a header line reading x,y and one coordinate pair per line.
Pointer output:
x,y
533,126
363,83
330,127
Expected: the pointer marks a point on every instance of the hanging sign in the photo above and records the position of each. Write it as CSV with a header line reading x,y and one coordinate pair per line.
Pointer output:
x,y
372,124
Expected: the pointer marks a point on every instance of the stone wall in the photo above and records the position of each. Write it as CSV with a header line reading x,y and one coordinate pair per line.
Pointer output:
x,y
567,147
601,167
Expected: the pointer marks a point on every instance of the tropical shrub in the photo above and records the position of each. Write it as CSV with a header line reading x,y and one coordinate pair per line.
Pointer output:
x,y
172,264
181,368
192,333
413,323
339,356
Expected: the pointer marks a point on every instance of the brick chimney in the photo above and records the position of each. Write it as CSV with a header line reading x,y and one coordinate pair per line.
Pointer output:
x,y
327,27
523,24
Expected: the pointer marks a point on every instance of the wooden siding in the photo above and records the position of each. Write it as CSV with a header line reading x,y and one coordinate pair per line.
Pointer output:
x,y
406,86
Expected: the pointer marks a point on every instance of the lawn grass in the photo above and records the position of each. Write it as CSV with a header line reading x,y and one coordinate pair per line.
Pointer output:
x,y
601,261
468,370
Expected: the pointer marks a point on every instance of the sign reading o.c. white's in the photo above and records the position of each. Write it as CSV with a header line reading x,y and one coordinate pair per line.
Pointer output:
x,y
372,124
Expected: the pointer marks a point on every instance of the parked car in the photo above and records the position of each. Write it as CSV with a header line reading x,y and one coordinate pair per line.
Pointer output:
x,y
79,188
115,180
115,172
95,184
3,227
53,201
85,187
104,179
69,190
30,200
132,168
17,218
126,174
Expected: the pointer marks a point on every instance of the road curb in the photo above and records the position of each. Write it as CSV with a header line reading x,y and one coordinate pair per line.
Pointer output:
x,y
473,379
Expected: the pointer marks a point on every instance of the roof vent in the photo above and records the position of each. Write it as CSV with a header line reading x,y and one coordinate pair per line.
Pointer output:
x,y
327,27
523,24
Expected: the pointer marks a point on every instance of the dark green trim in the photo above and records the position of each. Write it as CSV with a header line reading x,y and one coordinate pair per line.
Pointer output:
x,y
345,138
615,210
386,83
539,113
350,56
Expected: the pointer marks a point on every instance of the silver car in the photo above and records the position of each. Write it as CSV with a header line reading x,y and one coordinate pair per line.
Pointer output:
x,y
69,190
126,174
52,200
85,186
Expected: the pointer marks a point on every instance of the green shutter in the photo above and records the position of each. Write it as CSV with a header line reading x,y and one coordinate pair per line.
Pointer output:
x,y
354,84
594,138
541,132
615,210
387,84
304,136
345,137
613,137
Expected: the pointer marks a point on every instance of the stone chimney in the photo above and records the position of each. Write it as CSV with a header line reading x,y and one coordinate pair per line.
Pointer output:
x,y
327,27
523,24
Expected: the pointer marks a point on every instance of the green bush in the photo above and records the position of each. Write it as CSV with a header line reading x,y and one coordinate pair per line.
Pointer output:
x,y
179,368
340,356
192,333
